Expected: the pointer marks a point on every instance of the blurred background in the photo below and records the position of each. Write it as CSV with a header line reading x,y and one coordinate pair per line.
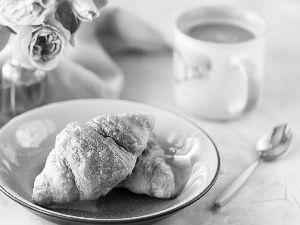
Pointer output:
x,y
282,47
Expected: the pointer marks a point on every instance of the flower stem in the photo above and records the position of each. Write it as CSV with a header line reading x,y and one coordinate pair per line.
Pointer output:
x,y
13,99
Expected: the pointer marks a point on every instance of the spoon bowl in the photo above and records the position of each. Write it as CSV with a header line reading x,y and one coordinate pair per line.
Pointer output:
x,y
275,144
271,146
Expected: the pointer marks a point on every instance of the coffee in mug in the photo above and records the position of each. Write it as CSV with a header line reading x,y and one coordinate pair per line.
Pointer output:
x,y
220,33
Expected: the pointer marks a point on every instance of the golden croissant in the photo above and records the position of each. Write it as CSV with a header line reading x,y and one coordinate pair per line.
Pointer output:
x,y
89,159
151,175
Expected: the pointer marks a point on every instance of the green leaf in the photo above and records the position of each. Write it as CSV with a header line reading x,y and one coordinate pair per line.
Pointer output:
x,y
5,33
65,15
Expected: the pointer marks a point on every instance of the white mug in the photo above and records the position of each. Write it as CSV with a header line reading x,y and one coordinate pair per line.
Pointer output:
x,y
218,71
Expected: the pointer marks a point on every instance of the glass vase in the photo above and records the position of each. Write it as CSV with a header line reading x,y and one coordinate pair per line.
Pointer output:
x,y
21,89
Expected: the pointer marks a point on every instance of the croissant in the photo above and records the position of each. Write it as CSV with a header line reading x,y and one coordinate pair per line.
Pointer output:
x,y
151,175
89,159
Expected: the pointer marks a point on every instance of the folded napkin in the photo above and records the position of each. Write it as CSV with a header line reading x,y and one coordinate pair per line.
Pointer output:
x,y
88,69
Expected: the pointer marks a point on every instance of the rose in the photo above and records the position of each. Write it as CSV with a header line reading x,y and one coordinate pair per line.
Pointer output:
x,y
24,12
47,47
41,46
87,10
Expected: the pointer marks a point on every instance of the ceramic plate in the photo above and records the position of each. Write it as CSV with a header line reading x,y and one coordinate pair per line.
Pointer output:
x,y
26,141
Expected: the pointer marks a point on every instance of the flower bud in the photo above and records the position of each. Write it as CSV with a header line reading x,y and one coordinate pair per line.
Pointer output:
x,y
85,10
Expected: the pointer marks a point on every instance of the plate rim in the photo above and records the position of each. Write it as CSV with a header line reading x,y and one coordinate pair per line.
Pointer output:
x,y
153,216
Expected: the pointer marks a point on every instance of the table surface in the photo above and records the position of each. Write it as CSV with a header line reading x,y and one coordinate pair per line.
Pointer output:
x,y
272,195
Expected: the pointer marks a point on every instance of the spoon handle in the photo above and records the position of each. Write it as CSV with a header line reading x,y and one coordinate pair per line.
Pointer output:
x,y
235,186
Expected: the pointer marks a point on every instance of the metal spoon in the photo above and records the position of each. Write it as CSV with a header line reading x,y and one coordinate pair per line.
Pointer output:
x,y
271,146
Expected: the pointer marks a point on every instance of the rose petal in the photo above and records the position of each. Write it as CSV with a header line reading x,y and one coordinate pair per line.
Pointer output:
x,y
25,12
20,46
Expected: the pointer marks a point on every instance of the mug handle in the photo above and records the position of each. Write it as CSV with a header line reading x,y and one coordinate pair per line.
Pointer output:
x,y
248,68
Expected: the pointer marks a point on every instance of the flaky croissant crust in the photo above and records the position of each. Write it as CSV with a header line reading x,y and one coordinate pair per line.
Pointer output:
x,y
90,159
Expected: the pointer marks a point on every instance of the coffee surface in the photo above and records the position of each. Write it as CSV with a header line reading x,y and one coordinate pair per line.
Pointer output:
x,y
220,33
